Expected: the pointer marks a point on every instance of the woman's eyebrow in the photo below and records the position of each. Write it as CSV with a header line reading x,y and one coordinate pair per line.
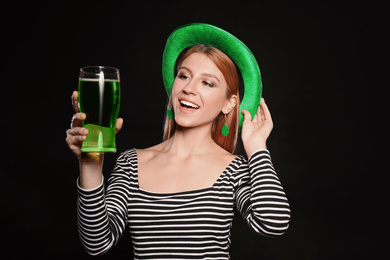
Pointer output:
x,y
210,75
183,67
203,74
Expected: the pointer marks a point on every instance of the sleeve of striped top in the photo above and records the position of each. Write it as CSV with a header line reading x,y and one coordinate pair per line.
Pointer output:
x,y
102,215
260,197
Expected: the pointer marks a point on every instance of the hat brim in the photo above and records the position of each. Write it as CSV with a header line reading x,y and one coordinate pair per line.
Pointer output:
x,y
199,33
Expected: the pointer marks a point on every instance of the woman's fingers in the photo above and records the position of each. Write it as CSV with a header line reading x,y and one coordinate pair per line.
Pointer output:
x,y
76,141
75,131
258,118
119,124
77,119
75,101
76,135
74,138
247,116
266,112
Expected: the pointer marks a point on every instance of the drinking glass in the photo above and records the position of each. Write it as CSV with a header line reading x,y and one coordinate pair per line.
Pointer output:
x,y
99,99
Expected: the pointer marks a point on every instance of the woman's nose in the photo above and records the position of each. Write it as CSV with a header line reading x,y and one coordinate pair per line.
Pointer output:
x,y
190,88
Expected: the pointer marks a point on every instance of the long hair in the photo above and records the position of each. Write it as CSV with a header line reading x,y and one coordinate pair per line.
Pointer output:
x,y
229,71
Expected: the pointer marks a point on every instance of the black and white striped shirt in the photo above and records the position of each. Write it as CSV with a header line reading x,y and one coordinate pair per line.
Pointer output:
x,y
184,225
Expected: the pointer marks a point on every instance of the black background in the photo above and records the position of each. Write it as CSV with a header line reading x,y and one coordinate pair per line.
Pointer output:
x,y
322,71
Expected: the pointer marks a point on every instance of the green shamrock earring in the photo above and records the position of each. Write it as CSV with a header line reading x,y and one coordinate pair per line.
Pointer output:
x,y
170,114
225,128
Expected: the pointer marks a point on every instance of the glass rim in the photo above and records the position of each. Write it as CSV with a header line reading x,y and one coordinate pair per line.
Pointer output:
x,y
96,69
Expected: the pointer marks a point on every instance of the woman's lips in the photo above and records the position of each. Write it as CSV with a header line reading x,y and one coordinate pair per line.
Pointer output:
x,y
187,106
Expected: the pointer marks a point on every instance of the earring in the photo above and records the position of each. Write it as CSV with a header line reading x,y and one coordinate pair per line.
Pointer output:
x,y
170,114
225,128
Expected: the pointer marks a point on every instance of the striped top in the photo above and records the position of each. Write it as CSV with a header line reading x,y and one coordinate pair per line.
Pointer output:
x,y
185,225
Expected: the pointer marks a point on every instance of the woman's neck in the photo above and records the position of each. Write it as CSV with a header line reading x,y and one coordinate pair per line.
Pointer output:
x,y
190,141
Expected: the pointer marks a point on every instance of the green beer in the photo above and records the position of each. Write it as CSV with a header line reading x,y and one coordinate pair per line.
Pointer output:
x,y
99,99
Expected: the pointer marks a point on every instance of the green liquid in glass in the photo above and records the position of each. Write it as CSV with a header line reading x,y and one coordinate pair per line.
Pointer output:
x,y
100,101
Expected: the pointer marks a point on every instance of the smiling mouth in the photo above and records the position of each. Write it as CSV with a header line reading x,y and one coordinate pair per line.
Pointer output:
x,y
188,104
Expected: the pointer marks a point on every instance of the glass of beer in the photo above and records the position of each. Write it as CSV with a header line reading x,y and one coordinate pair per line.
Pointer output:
x,y
99,99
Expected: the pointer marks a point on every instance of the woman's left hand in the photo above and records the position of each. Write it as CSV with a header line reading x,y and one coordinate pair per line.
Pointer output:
x,y
255,132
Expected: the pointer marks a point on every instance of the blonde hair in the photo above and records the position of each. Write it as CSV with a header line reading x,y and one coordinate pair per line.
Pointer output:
x,y
229,71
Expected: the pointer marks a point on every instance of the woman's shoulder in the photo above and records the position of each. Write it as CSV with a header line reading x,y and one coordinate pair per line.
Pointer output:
x,y
127,157
139,152
128,153
148,153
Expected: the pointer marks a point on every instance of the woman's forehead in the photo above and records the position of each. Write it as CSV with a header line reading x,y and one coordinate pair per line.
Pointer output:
x,y
201,63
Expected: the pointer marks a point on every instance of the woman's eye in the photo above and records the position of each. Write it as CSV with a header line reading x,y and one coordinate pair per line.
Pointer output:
x,y
207,83
182,76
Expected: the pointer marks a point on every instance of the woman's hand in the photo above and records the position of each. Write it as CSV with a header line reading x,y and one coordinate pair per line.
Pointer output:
x,y
256,132
77,134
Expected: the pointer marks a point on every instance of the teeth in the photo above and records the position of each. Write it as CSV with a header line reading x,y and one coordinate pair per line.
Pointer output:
x,y
189,104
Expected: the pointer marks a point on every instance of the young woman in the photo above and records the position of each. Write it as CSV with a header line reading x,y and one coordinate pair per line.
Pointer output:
x,y
178,197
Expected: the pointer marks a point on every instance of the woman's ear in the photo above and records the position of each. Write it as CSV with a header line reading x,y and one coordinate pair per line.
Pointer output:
x,y
229,104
